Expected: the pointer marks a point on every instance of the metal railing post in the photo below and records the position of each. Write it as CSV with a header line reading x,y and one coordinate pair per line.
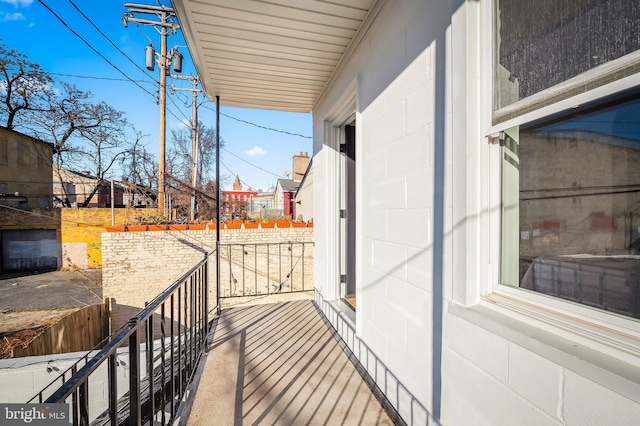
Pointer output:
x,y
206,302
179,351
173,358
151,405
83,396
134,376
218,194
163,402
113,388
192,323
74,399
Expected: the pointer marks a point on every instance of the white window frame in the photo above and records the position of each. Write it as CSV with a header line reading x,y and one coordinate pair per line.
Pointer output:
x,y
614,336
344,109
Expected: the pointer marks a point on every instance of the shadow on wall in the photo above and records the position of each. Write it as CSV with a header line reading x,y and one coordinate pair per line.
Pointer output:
x,y
428,28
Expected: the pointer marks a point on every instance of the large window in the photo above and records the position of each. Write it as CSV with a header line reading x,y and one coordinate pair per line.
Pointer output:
x,y
543,43
570,180
571,207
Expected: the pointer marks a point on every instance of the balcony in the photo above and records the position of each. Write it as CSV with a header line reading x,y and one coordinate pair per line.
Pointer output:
x,y
185,359
280,364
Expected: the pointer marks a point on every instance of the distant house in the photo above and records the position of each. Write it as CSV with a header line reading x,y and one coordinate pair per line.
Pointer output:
x,y
235,202
136,195
285,195
262,206
25,171
72,189
304,196
286,189
28,226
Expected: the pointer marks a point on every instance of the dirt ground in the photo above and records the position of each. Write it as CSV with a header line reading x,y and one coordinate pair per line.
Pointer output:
x,y
31,303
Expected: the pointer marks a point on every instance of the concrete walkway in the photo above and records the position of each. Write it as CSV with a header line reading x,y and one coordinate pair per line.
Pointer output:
x,y
279,364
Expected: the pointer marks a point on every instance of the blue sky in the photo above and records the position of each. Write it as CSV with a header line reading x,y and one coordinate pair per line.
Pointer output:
x,y
259,156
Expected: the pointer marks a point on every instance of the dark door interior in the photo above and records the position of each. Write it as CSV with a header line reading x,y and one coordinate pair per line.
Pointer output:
x,y
349,214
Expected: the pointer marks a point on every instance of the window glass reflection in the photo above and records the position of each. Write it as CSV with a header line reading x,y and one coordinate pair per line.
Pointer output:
x,y
578,208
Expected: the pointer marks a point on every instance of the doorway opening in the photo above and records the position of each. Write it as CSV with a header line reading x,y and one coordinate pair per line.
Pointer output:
x,y
348,214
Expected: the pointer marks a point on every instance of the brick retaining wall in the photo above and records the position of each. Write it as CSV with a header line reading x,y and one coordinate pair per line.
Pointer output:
x,y
137,266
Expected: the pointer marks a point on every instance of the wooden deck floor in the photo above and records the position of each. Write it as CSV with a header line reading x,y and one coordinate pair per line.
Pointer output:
x,y
279,364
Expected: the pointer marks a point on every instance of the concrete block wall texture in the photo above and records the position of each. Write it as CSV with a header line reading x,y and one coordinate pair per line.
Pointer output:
x,y
489,379
421,169
396,71
137,266
80,231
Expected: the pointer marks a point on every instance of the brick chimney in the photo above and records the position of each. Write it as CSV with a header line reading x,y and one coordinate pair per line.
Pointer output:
x,y
300,164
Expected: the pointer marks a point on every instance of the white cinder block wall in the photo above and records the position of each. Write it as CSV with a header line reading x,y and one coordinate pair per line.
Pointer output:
x,y
415,81
138,266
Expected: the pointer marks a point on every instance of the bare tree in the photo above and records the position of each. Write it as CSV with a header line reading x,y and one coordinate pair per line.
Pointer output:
x,y
24,86
179,166
181,152
86,135
207,204
105,146
139,165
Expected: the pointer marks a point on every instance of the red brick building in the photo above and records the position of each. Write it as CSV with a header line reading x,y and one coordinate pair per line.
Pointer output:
x,y
235,202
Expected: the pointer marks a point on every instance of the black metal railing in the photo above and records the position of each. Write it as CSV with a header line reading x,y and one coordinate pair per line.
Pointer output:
x,y
248,270
164,344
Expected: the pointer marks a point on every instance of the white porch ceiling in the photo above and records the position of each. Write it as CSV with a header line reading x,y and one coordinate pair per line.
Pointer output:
x,y
268,54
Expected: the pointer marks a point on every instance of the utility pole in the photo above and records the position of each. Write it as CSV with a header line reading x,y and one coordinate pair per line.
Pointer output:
x,y
194,135
163,13
218,193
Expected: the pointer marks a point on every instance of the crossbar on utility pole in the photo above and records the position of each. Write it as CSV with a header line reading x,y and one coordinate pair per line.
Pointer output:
x,y
194,135
163,13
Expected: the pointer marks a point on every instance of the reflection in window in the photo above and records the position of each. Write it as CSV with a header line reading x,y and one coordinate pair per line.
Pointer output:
x,y
543,43
571,208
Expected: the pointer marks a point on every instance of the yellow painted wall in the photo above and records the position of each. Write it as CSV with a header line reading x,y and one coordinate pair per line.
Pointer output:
x,y
83,228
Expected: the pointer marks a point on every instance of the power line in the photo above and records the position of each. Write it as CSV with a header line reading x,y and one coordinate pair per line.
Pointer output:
x,y
236,174
109,40
101,78
178,106
150,93
251,164
127,78
235,155
261,127
62,21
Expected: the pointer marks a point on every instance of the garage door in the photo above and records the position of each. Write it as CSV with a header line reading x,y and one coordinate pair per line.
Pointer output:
x,y
29,250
